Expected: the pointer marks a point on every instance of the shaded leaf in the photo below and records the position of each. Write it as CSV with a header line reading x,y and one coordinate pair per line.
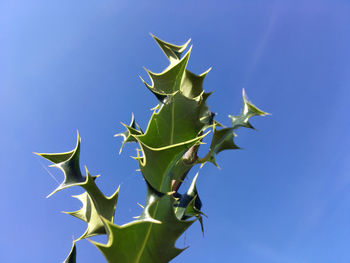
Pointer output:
x,y
189,204
72,255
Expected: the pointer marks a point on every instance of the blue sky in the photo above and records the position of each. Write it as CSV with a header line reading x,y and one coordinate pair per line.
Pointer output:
x,y
74,65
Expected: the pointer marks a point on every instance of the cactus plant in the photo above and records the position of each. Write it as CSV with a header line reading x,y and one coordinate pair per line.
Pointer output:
x,y
168,149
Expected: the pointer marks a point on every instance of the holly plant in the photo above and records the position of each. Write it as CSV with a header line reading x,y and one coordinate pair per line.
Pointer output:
x,y
167,151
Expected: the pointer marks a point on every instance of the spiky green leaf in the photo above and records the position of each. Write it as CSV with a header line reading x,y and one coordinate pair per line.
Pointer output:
x,y
168,81
176,121
223,139
172,52
95,205
249,110
132,128
172,130
142,241
68,162
156,163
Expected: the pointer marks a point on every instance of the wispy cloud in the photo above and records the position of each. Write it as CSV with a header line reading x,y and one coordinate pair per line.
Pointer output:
x,y
259,50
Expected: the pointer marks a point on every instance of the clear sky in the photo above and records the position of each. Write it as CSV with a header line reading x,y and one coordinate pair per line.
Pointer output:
x,y
68,65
